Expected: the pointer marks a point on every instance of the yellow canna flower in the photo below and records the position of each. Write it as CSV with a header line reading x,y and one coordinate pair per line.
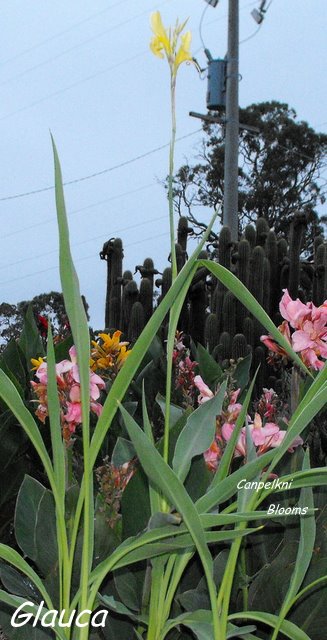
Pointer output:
x,y
36,363
170,42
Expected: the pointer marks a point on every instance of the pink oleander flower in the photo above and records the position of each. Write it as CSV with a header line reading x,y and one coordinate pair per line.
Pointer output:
x,y
69,393
205,392
310,336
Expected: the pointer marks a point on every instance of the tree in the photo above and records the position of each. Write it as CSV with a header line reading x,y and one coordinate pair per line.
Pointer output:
x,y
47,307
280,171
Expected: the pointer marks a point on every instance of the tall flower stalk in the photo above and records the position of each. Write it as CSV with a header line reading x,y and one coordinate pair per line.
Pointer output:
x,y
175,46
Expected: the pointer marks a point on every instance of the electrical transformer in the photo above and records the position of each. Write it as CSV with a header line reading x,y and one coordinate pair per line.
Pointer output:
x,y
216,94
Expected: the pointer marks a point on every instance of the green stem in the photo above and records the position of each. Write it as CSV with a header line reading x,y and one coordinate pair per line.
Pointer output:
x,y
171,175
88,520
154,611
170,342
245,590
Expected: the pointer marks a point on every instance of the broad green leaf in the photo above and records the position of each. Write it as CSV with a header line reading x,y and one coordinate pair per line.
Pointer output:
x,y
200,623
123,452
175,412
210,370
198,433
118,607
35,525
35,634
242,372
126,585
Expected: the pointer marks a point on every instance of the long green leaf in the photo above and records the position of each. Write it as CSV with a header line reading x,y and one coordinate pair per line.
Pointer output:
x,y
248,300
154,494
228,487
304,555
141,346
198,433
307,410
12,557
58,452
10,395
289,629
164,477
225,462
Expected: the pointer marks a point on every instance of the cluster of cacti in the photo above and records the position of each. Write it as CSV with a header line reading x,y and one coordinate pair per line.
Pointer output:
x,y
211,315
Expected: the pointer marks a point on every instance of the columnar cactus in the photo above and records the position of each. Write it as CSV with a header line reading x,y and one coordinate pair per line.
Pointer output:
x,y
298,227
272,255
136,323
146,297
320,275
211,332
250,235
183,231
130,296
229,314
239,346
112,252
262,230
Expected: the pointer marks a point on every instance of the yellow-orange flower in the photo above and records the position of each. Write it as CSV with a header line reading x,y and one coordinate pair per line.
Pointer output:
x,y
108,352
170,42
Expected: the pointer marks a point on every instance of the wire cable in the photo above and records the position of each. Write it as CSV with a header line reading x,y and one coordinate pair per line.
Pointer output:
x,y
103,171
61,33
76,46
36,273
78,244
71,213
252,35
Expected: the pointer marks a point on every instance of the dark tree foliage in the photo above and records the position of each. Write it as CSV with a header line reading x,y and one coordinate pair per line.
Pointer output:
x,y
47,307
280,171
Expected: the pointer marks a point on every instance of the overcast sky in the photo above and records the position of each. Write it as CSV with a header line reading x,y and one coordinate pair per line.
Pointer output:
x,y
82,69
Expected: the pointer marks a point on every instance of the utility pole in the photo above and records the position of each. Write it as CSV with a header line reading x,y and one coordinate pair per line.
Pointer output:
x,y
230,210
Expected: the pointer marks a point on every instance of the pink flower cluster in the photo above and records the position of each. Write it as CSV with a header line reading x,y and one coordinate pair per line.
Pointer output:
x,y
264,430
69,392
310,336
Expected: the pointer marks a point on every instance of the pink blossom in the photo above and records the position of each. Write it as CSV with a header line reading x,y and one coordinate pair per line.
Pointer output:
x,y
205,392
69,392
74,412
294,311
310,336
42,373
240,447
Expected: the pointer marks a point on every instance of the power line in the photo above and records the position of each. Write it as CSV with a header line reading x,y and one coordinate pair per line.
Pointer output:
x,y
78,244
102,172
73,85
94,75
76,46
61,33
71,213
36,273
